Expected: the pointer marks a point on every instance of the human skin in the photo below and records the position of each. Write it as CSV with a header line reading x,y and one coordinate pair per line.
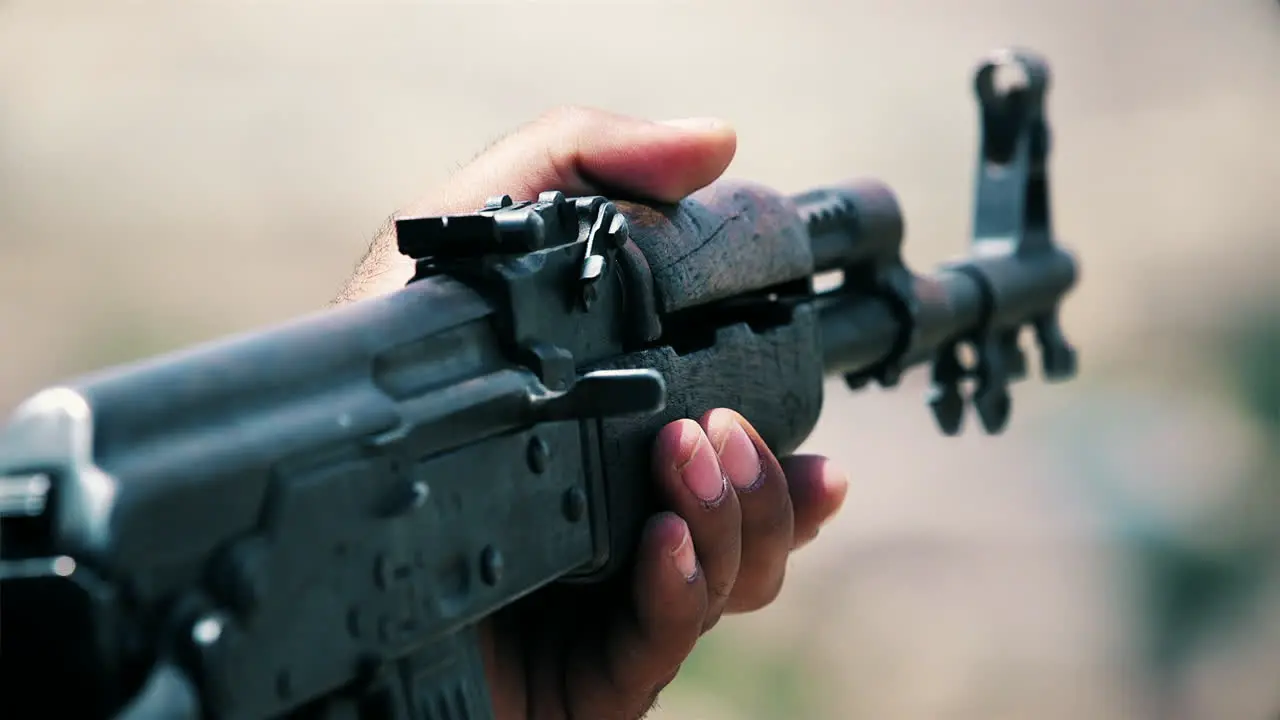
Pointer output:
x,y
734,513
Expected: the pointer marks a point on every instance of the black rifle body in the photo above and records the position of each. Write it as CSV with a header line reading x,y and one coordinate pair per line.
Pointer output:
x,y
311,520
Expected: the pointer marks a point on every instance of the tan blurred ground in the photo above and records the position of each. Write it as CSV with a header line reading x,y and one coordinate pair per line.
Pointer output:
x,y
174,171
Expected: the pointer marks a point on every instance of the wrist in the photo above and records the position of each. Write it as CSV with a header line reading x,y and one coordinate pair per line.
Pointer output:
x,y
382,269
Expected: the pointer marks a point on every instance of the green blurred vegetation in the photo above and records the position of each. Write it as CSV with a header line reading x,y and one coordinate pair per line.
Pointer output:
x,y
1194,592
1252,359
752,682
1197,565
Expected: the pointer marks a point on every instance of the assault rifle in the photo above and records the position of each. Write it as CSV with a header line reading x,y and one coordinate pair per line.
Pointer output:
x,y
311,520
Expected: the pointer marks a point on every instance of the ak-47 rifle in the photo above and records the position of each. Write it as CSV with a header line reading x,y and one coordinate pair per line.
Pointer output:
x,y
312,519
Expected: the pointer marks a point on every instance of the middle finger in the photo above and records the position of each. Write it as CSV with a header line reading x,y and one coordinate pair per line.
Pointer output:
x,y
697,490
764,503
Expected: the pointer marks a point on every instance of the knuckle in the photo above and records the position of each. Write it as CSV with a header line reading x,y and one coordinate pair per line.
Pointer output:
x,y
711,623
774,523
668,679
763,592
773,589
719,592
804,539
568,116
650,700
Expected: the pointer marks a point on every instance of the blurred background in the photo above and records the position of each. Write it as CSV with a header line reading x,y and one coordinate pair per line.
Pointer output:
x,y
171,172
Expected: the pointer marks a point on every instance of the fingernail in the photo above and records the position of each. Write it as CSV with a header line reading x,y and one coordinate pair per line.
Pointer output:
x,y
701,472
685,560
695,123
738,455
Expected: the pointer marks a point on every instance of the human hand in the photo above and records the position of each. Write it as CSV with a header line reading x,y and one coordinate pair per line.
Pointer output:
x,y
736,511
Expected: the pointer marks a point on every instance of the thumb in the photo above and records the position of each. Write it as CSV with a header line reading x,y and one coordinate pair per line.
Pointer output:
x,y
578,151
582,151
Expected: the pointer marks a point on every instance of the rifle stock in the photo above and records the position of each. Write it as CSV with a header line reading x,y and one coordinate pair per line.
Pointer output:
x,y
311,520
